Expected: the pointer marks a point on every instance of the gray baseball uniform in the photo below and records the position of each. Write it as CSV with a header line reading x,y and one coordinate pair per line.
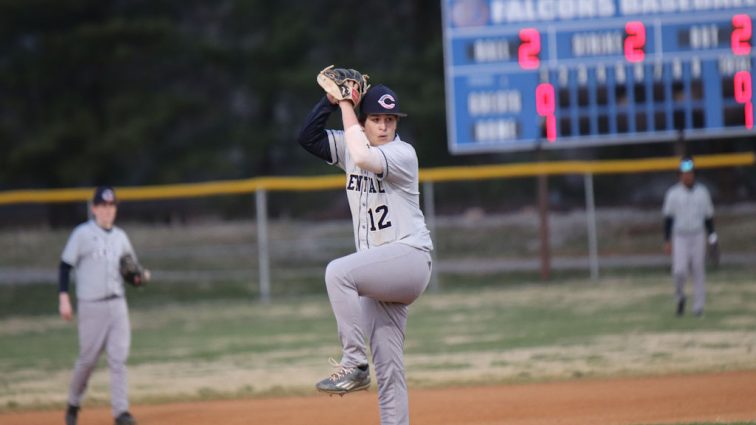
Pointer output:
x,y
689,208
370,290
103,320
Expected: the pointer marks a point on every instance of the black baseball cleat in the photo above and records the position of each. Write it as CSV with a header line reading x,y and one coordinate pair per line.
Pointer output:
x,y
72,414
125,418
681,307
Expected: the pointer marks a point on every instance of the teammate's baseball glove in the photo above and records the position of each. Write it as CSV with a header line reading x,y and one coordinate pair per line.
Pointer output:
x,y
344,84
132,272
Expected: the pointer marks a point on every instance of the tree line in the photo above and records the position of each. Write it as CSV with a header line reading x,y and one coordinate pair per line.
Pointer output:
x,y
165,91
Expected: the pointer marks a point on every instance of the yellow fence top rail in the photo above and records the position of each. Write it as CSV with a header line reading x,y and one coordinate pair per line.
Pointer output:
x,y
582,167
440,174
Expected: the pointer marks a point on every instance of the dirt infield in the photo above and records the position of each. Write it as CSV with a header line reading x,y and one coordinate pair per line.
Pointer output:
x,y
727,397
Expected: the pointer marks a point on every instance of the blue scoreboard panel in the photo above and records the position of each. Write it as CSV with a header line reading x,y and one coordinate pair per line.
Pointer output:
x,y
527,74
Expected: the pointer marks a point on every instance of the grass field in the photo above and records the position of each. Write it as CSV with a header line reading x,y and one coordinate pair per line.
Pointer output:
x,y
484,330
200,333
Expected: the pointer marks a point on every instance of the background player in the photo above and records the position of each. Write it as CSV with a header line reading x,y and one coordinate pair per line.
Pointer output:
x,y
688,219
94,250
370,290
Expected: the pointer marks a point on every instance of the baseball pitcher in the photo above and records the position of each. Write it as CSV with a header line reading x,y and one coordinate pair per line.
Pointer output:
x,y
370,290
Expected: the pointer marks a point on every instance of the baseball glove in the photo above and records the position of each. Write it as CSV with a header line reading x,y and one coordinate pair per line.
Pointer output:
x,y
344,84
132,272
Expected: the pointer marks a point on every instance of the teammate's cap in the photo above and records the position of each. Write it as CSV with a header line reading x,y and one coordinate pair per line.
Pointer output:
x,y
381,100
686,165
104,195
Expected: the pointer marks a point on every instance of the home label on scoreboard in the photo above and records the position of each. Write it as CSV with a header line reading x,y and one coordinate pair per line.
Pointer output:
x,y
528,74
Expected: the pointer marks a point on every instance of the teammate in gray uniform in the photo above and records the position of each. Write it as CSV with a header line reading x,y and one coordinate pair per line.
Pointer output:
x,y
93,250
370,290
688,226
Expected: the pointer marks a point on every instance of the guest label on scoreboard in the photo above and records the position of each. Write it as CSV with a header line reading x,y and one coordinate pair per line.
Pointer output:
x,y
528,74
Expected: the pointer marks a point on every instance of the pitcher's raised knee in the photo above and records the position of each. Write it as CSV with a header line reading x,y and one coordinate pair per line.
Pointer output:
x,y
337,272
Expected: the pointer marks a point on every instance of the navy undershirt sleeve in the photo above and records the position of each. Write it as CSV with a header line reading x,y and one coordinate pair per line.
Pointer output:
x,y
64,272
709,223
312,135
668,221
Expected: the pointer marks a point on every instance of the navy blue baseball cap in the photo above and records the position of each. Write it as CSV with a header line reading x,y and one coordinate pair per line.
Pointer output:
x,y
380,100
104,195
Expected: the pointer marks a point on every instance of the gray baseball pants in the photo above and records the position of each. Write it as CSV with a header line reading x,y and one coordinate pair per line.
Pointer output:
x,y
688,258
370,292
103,325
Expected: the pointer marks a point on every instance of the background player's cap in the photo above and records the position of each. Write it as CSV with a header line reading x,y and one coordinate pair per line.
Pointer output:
x,y
686,164
380,100
104,195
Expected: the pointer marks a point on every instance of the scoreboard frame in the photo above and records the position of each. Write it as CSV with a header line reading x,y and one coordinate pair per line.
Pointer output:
x,y
556,74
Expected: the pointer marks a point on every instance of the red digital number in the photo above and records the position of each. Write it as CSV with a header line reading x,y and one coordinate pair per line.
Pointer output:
x,y
744,94
546,107
743,91
635,42
530,48
742,30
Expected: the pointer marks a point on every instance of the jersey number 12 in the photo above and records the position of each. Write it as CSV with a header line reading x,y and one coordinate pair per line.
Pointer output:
x,y
383,223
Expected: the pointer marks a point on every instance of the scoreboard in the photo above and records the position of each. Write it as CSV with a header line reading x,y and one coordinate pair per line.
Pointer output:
x,y
550,74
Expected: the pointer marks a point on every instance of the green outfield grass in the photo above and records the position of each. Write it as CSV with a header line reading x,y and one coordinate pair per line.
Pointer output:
x,y
196,342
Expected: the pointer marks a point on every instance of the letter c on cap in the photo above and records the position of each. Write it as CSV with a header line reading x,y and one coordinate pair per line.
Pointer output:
x,y
387,101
